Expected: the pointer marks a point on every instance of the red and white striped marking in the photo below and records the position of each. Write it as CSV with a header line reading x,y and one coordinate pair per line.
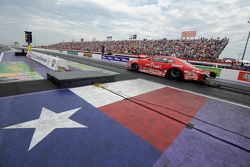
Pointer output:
x,y
152,126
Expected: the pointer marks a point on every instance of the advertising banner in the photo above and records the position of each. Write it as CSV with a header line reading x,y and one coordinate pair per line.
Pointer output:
x,y
87,54
188,34
29,48
72,52
115,58
211,69
244,76
109,38
53,63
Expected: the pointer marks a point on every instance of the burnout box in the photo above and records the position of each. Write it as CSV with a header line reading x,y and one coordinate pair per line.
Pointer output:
x,y
78,78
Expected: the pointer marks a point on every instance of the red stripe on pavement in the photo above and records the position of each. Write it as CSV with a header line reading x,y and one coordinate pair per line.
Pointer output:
x,y
153,127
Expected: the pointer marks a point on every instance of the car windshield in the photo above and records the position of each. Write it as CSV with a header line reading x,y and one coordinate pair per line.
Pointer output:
x,y
188,64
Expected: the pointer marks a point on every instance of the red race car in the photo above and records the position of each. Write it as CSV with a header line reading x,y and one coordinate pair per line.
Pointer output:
x,y
169,67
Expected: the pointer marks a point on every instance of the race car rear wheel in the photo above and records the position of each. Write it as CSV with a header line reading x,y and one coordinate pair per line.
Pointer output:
x,y
175,74
213,74
134,67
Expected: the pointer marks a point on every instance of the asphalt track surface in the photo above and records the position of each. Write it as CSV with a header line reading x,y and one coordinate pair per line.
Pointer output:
x,y
197,87
124,124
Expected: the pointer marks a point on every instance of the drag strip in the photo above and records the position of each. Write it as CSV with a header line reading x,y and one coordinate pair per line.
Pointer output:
x,y
228,95
132,123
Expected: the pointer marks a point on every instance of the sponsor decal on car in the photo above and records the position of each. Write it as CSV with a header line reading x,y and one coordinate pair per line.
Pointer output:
x,y
176,65
147,65
157,66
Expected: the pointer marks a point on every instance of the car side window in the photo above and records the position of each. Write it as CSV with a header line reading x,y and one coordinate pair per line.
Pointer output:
x,y
161,60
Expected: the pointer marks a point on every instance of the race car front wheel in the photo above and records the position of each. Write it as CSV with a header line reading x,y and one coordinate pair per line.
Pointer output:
x,y
134,67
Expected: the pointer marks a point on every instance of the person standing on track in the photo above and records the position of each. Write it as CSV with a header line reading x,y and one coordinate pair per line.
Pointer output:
x,y
103,49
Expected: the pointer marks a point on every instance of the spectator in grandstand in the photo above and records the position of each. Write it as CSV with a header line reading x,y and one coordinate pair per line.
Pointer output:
x,y
199,49
103,49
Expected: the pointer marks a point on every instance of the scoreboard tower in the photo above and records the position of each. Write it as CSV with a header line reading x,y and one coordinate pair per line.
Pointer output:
x,y
28,39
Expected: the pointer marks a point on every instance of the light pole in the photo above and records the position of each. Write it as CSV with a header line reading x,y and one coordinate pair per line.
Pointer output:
x,y
34,41
246,41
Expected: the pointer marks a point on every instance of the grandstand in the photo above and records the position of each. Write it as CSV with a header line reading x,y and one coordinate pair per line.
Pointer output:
x,y
196,49
3,48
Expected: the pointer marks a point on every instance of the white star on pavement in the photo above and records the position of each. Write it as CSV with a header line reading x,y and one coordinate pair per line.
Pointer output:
x,y
47,122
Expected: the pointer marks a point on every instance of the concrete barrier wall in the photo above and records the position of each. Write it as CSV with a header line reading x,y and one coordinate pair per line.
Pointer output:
x,y
96,56
227,74
53,63
80,54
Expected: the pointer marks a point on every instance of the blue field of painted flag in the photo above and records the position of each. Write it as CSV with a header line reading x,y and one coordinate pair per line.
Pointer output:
x,y
57,128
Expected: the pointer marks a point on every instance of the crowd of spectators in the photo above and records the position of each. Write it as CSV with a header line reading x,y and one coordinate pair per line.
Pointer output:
x,y
199,49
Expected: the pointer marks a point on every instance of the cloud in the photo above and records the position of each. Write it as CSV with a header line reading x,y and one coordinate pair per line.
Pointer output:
x,y
63,20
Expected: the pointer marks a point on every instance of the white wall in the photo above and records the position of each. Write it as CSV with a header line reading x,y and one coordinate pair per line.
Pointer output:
x,y
229,74
53,63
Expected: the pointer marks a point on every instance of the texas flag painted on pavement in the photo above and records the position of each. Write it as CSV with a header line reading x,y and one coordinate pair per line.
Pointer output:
x,y
132,123
58,128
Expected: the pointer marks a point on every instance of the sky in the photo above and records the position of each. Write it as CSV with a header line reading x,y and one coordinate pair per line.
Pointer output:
x,y
53,21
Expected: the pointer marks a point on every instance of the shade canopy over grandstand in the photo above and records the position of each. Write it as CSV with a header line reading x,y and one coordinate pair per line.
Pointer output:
x,y
200,49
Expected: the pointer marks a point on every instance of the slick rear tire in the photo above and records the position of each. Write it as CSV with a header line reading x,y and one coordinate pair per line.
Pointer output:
x,y
134,67
175,74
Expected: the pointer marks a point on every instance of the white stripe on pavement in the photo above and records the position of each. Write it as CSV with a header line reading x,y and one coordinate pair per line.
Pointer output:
x,y
98,96
131,88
